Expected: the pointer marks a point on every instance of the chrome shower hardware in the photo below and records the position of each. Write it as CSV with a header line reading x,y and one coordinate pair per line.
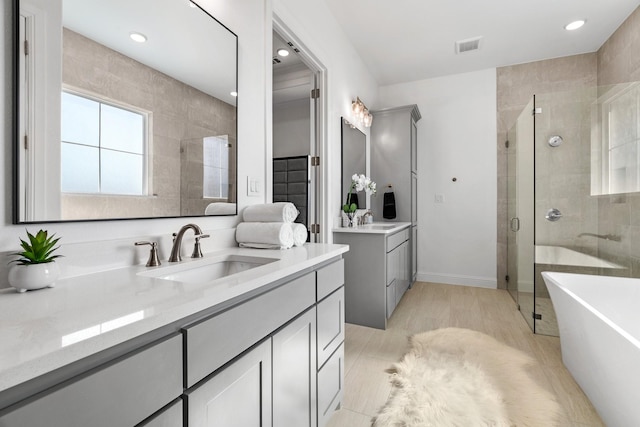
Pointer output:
x,y
555,141
553,215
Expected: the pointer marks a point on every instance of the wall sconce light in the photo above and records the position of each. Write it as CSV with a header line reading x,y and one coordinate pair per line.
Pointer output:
x,y
360,114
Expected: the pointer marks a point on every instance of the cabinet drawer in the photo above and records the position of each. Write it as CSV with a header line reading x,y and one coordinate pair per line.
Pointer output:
x,y
330,386
215,341
170,417
330,314
121,394
396,239
330,278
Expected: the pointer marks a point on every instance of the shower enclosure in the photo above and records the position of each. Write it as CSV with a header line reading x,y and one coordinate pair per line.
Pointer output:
x,y
573,162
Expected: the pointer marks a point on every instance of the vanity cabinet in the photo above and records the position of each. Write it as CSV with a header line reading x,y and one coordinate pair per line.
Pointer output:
x,y
377,274
121,393
273,358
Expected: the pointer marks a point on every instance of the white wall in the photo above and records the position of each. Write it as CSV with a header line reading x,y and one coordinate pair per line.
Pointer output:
x,y
292,128
456,138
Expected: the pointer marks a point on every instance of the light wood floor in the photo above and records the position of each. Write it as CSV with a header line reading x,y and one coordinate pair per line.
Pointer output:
x,y
369,352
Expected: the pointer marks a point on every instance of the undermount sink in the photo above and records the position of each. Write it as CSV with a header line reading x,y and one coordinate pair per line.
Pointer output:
x,y
207,269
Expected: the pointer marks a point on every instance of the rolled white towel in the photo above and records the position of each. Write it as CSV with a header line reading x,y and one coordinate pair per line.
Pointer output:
x,y
299,234
271,212
220,208
265,235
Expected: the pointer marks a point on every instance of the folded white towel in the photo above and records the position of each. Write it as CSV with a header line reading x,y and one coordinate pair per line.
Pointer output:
x,y
220,208
270,212
299,234
259,234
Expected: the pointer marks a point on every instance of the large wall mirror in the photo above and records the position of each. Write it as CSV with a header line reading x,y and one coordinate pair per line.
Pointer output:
x,y
126,109
354,154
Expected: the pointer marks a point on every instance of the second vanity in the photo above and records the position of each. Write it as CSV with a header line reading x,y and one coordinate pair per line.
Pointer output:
x,y
158,347
377,270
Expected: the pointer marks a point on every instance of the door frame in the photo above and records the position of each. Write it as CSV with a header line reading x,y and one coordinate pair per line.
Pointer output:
x,y
319,174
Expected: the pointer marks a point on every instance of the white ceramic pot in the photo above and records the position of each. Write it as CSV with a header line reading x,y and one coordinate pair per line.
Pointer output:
x,y
33,276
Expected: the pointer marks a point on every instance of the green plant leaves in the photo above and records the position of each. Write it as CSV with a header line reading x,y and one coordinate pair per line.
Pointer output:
x,y
38,249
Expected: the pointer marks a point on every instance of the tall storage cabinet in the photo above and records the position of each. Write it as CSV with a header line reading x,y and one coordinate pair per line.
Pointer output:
x,y
394,161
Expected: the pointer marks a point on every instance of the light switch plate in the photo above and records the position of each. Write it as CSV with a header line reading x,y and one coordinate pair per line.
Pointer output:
x,y
254,186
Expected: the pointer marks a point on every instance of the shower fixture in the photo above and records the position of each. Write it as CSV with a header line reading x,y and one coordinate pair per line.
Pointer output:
x,y
553,215
555,141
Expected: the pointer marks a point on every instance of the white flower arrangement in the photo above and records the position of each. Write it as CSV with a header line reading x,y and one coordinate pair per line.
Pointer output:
x,y
359,182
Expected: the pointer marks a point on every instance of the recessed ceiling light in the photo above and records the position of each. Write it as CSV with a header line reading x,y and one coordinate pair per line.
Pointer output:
x,y
283,52
138,37
574,25
234,93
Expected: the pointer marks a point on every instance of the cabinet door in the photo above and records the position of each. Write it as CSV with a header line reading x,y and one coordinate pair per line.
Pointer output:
x,y
237,396
414,253
393,262
330,386
330,325
294,373
403,271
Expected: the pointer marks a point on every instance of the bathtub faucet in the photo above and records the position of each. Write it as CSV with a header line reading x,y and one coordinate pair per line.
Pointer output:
x,y
611,237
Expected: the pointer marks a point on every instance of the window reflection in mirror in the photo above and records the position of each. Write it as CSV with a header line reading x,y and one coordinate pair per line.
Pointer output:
x,y
104,121
616,140
354,151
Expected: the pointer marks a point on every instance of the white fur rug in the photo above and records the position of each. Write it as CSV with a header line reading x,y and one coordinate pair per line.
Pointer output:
x,y
458,377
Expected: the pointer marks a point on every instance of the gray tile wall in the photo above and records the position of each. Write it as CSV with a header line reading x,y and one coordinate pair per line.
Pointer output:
x,y
516,85
180,112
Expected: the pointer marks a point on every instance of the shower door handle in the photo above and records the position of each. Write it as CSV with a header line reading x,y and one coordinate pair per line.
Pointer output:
x,y
515,224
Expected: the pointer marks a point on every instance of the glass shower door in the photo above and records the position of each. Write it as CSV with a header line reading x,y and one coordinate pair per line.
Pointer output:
x,y
520,208
512,248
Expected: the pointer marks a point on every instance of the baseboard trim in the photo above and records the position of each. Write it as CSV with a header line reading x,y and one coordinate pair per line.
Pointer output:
x,y
451,279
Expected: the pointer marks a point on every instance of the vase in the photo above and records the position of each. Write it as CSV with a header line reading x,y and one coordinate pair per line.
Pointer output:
x,y
33,276
351,216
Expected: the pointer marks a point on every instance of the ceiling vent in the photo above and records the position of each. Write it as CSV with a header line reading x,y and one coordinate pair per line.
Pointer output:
x,y
468,45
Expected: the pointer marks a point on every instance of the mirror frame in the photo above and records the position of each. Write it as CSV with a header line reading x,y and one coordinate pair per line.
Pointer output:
x,y
343,191
16,117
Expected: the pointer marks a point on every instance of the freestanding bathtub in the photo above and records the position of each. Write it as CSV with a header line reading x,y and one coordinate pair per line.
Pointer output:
x,y
599,322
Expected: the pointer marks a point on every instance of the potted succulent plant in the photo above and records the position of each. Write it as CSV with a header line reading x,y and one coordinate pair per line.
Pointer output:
x,y
36,267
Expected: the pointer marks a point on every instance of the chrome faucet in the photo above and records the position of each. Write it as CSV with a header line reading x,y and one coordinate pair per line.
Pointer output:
x,y
177,242
366,216
612,237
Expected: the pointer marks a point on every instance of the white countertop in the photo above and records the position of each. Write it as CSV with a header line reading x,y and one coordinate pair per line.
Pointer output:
x,y
375,228
49,328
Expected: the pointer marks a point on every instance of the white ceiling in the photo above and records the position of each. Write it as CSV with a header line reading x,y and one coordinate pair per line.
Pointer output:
x,y
408,40
292,79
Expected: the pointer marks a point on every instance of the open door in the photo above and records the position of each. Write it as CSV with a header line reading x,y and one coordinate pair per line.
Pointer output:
x,y
297,130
